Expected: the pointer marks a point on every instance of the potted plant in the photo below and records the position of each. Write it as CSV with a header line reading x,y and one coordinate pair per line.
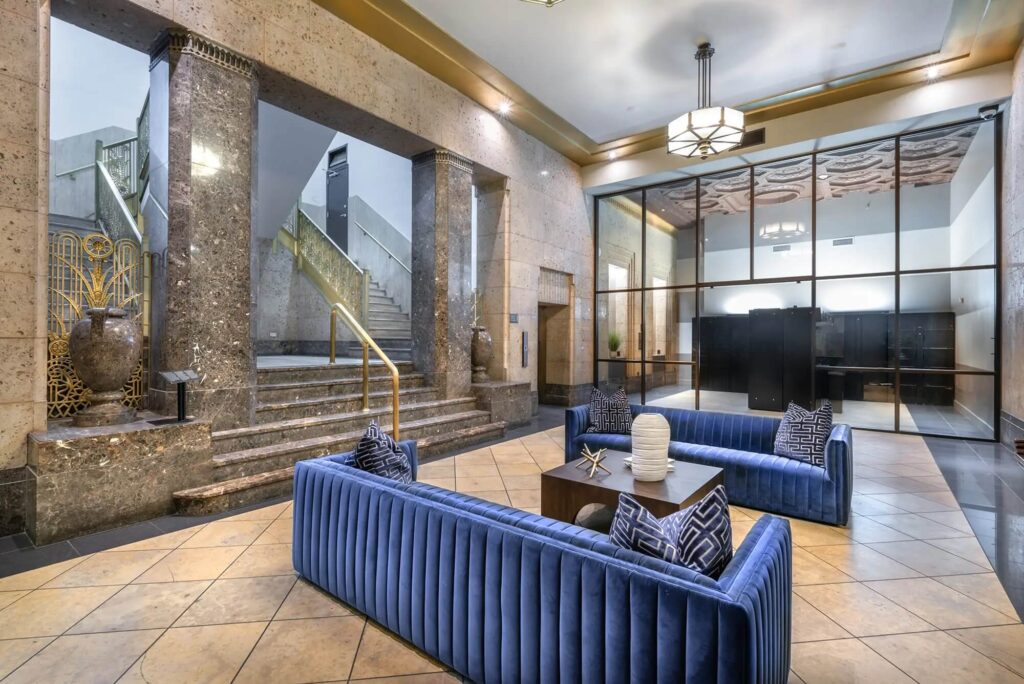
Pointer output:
x,y
614,342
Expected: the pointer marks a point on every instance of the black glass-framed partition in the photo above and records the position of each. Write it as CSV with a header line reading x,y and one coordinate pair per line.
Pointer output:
x,y
866,275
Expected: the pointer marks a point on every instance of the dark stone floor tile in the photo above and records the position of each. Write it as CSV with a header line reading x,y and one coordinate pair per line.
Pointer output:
x,y
13,562
119,536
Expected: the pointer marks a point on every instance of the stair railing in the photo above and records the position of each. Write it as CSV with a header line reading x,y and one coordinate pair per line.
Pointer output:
x,y
380,244
346,287
367,342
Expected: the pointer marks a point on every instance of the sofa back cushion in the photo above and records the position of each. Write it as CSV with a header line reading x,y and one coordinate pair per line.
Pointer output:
x,y
725,430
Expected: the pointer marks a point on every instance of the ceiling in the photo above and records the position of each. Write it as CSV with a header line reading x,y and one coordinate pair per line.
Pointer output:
x,y
596,77
613,68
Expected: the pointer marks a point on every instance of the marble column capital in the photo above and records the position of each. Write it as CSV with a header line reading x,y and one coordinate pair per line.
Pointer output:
x,y
176,42
442,157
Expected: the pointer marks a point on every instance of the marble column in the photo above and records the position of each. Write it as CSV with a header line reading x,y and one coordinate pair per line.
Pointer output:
x,y
442,297
203,299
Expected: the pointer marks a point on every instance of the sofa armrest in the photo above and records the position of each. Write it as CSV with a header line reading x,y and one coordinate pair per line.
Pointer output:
x,y
839,453
577,420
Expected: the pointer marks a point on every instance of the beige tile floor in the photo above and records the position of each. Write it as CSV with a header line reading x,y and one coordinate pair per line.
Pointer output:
x,y
904,594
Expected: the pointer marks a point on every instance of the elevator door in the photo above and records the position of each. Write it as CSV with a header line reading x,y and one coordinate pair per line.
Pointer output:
x,y
337,197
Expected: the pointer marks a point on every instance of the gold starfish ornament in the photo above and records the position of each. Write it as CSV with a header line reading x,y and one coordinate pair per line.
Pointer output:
x,y
592,460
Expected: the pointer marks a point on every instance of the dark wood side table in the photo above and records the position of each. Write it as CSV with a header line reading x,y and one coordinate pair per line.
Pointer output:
x,y
567,489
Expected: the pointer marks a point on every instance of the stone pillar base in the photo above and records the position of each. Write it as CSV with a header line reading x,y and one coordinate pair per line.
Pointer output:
x,y
510,402
84,480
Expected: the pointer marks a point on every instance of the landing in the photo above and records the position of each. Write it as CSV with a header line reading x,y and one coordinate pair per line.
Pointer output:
x,y
295,361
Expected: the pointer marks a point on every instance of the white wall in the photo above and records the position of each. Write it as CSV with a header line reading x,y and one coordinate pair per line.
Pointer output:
x,y
383,180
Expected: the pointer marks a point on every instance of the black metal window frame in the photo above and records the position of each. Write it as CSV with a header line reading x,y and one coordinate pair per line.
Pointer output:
x,y
698,286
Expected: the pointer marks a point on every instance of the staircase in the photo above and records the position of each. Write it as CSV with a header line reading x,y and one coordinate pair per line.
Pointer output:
x,y
386,324
310,411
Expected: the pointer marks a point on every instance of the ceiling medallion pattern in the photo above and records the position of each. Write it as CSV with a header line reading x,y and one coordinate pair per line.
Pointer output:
x,y
926,159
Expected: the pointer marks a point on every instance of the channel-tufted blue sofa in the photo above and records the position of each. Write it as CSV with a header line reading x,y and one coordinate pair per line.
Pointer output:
x,y
501,595
743,446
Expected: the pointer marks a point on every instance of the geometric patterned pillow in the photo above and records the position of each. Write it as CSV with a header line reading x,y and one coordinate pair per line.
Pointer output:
x,y
610,414
803,434
377,453
704,534
634,527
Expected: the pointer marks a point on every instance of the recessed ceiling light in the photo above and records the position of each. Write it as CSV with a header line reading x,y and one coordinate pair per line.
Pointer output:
x,y
613,154
931,73
822,176
504,108
544,172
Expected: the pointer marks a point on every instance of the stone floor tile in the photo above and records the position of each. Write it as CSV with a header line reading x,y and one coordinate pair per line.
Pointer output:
x,y
870,472
286,514
967,548
810,624
859,610
912,503
263,513
210,654
249,599
431,678
864,485
279,532
1004,644
845,661
945,497
33,579
521,481
478,484
940,605
866,530
14,652
737,513
916,526
479,457
262,561
546,463
807,533
437,469
183,565
169,541
864,504
519,469
927,559
955,519
383,655
49,612
9,597
308,601
442,482
141,606
512,457
499,496
912,469
793,679
983,587
314,650
809,569
524,498
227,533
478,470
85,658
861,562
109,567
740,530
938,657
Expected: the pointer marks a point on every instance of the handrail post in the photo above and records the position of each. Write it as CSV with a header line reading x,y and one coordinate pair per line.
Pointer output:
x,y
334,326
366,376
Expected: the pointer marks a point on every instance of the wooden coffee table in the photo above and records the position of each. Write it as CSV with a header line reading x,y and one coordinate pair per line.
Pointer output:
x,y
567,489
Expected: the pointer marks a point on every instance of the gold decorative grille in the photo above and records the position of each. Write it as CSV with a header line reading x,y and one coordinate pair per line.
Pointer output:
x,y
345,279
71,260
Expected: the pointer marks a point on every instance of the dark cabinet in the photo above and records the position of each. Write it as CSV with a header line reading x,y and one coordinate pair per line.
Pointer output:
x,y
780,358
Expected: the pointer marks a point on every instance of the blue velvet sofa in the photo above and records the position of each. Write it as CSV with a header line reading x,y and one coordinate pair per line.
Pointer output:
x,y
501,595
743,446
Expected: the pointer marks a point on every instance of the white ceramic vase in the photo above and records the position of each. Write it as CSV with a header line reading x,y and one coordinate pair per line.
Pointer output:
x,y
650,447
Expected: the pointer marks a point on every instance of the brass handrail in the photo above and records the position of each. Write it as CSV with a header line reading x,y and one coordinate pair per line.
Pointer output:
x,y
367,343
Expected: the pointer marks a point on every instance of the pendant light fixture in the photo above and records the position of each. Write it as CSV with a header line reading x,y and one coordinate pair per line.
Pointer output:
x,y
706,130
546,3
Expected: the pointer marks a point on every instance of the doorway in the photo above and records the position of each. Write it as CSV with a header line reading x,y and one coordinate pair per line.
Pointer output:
x,y
554,359
337,197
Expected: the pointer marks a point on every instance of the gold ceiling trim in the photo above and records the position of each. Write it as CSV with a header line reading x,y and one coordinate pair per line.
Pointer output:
x,y
980,33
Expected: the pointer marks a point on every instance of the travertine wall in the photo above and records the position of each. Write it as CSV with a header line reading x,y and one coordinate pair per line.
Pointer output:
x,y
24,144
1013,259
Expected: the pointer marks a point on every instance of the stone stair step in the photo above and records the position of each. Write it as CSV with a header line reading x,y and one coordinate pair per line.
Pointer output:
x,y
380,299
274,456
345,403
440,444
328,389
386,316
237,439
339,371
223,496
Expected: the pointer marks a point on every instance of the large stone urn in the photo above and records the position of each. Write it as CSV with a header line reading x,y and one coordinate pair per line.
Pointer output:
x,y
105,348
483,351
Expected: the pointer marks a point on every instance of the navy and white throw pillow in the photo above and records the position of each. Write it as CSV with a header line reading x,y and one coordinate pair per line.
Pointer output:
x,y
635,528
803,434
377,453
704,534
610,414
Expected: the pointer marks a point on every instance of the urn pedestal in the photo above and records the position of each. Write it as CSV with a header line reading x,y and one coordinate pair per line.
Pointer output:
x,y
482,352
105,348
